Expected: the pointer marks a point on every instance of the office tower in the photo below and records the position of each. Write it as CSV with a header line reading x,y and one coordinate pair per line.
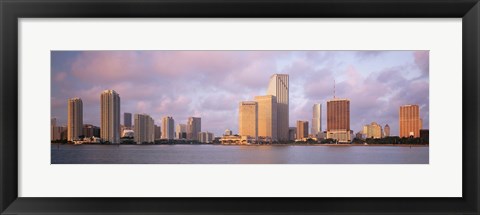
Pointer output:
x,y
302,129
247,119
424,136
181,131
57,132
386,131
53,125
228,132
373,130
168,128
409,121
110,116
144,131
267,117
194,125
75,119
338,120
127,120
292,133
278,87
205,137
91,131
63,132
317,120
158,132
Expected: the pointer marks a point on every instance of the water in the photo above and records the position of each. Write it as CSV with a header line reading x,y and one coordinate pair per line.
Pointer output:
x,y
236,154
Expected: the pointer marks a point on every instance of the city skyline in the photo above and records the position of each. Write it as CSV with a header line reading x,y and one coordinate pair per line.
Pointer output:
x,y
376,89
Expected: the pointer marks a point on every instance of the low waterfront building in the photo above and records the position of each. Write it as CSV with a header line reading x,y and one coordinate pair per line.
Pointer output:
x,y
237,140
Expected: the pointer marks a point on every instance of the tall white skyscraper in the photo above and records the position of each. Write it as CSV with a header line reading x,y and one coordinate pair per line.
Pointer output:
x,y
168,128
75,119
110,116
317,120
144,131
278,87
194,126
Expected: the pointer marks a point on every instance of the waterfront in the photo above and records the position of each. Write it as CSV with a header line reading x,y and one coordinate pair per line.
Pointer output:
x,y
237,154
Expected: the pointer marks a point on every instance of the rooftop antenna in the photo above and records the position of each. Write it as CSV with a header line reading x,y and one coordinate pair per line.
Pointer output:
x,y
334,88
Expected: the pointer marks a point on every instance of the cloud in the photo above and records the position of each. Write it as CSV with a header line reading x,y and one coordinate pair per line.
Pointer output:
x,y
422,61
59,77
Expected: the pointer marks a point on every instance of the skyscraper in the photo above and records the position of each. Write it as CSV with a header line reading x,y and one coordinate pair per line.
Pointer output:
x,y
110,116
279,87
267,116
317,120
373,130
144,131
292,133
181,131
53,126
228,132
168,127
386,131
205,137
247,119
91,130
127,120
409,121
302,129
75,119
338,120
158,132
194,125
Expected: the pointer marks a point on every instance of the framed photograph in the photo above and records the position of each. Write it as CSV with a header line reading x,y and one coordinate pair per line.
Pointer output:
x,y
124,107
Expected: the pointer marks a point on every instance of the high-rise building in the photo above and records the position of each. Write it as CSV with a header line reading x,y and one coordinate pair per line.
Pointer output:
x,y
205,137
194,125
144,131
292,133
168,128
409,121
247,119
110,116
424,136
386,131
338,120
181,131
279,87
158,132
53,125
127,120
91,130
228,132
317,120
302,129
373,130
59,133
267,117
75,119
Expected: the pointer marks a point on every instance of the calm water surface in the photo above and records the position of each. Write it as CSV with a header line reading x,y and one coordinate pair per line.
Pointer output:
x,y
229,154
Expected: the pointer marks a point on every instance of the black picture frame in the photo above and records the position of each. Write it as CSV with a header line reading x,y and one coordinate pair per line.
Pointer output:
x,y
12,10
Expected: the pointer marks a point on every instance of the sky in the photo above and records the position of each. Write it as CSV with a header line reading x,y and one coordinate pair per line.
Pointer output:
x,y
211,84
